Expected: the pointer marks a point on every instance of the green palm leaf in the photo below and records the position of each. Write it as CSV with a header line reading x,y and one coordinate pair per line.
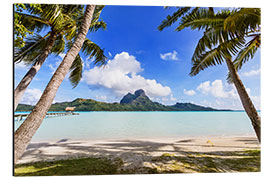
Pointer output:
x,y
243,20
172,19
207,59
33,22
97,25
93,50
216,55
89,49
201,19
59,45
34,46
248,52
97,13
208,40
76,71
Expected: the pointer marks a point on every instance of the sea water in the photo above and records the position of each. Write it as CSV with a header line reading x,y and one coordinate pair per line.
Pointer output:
x,y
124,125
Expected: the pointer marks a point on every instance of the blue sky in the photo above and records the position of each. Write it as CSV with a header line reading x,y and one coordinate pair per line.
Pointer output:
x,y
140,56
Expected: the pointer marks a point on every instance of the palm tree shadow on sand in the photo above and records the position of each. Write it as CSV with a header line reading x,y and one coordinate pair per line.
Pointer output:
x,y
141,156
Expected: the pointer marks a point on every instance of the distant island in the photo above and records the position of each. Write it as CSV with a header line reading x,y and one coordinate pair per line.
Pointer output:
x,y
138,101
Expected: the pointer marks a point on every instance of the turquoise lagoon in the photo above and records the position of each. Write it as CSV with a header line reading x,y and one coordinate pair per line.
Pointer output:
x,y
127,125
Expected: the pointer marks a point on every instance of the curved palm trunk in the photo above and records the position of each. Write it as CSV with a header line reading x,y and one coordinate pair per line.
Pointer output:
x,y
26,80
246,101
24,133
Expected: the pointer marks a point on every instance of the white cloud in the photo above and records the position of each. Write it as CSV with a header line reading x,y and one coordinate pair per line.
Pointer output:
x,y
121,75
165,99
216,89
189,92
101,98
172,98
20,65
31,96
251,73
206,103
62,55
226,97
169,56
54,66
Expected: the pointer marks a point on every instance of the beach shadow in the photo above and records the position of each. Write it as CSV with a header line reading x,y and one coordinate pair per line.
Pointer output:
x,y
185,141
62,140
38,145
249,141
137,153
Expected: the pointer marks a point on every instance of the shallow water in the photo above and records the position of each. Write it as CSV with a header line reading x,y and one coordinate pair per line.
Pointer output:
x,y
119,125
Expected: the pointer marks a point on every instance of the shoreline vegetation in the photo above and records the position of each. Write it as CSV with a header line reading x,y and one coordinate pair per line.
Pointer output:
x,y
138,101
92,105
140,156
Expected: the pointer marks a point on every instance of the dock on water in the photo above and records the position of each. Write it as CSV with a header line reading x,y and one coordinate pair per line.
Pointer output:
x,y
19,117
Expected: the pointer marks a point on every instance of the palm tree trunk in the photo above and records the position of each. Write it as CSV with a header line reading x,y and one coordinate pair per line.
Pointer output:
x,y
26,80
24,133
244,97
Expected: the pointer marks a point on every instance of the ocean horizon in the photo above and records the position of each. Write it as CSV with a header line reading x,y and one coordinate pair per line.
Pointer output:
x,y
149,124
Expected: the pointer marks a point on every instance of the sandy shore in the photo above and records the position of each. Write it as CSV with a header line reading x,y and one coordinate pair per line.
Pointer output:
x,y
134,152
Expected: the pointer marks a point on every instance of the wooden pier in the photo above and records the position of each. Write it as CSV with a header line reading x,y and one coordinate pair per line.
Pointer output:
x,y
19,117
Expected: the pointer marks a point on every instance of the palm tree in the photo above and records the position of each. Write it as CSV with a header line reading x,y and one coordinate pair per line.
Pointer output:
x,y
28,128
63,21
225,35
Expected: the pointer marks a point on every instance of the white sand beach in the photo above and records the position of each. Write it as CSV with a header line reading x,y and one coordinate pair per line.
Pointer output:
x,y
135,152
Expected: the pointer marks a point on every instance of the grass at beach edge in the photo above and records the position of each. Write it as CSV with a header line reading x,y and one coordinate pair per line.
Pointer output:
x,y
238,161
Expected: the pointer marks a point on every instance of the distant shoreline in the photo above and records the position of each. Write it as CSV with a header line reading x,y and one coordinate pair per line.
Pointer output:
x,y
130,102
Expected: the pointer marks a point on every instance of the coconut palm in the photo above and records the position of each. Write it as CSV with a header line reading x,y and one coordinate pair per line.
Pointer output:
x,y
225,35
28,128
246,21
63,21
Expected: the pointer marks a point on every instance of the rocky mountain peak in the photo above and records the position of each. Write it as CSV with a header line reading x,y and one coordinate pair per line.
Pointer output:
x,y
129,98
139,92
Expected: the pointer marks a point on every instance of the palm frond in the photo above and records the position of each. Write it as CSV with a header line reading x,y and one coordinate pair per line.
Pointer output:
x,y
54,14
59,45
243,20
214,36
216,55
172,19
51,13
248,52
76,71
207,59
200,19
208,40
95,26
229,78
72,10
71,31
34,46
91,49
33,22
97,12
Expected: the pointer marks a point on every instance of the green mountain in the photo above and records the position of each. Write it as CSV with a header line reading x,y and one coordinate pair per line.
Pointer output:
x,y
130,102
24,107
192,107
